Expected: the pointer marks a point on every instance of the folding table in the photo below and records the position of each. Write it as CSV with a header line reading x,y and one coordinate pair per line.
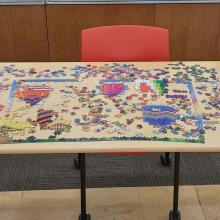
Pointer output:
x,y
69,107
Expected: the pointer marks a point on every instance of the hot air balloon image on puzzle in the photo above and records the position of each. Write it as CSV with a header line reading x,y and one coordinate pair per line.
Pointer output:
x,y
112,89
159,115
32,94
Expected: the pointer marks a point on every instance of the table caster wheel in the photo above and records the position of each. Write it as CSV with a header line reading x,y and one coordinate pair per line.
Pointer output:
x,y
84,217
165,160
176,217
76,164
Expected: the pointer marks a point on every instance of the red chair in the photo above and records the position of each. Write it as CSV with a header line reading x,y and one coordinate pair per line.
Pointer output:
x,y
125,43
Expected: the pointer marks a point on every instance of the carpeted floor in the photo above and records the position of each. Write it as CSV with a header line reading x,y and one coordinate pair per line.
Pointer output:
x,y
31,172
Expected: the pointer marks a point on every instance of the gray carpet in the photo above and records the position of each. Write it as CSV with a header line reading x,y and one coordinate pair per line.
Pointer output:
x,y
27,172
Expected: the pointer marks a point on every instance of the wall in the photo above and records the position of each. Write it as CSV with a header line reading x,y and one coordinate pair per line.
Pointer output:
x,y
52,32
23,33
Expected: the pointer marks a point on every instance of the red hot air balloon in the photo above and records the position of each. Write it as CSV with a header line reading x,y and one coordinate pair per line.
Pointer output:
x,y
112,89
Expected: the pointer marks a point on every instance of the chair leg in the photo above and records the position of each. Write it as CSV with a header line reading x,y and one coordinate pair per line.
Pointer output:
x,y
76,162
83,215
175,213
165,159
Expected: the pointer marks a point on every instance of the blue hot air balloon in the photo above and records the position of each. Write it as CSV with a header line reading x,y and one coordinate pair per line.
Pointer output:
x,y
159,115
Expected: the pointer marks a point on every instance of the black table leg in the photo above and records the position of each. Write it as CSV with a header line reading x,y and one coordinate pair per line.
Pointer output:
x,y
83,215
175,213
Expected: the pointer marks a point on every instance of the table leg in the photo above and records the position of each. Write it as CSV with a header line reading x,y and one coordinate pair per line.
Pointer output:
x,y
83,215
175,213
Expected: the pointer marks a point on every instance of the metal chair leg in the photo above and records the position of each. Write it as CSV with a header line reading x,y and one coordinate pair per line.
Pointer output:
x,y
76,162
175,213
165,159
83,215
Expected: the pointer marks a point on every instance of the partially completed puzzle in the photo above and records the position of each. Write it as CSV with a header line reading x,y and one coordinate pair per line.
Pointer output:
x,y
108,102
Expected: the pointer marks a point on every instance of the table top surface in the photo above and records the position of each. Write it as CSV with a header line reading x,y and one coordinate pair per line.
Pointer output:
x,y
109,107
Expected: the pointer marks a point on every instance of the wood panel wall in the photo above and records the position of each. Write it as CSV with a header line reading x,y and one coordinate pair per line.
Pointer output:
x,y
52,32
64,31
194,30
23,33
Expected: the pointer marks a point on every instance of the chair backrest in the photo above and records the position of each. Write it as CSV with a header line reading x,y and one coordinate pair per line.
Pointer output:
x,y
125,43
